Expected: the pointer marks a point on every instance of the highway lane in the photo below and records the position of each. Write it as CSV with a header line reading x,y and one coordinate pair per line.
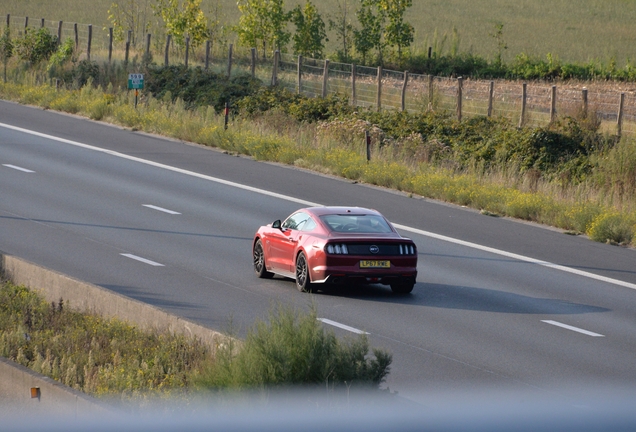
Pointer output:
x,y
475,318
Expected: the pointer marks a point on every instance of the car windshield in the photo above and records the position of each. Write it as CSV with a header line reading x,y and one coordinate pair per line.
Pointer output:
x,y
356,223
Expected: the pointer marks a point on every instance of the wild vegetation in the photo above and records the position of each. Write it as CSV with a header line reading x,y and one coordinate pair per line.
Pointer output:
x,y
110,358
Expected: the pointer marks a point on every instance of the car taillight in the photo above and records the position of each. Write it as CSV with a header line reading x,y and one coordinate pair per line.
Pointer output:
x,y
337,249
407,250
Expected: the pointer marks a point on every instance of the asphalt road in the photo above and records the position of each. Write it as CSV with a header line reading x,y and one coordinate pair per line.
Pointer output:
x,y
498,304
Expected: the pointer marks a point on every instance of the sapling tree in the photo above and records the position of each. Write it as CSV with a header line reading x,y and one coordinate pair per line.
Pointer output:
x,y
341,24
181,20
310,32
6,49
129,15
263,23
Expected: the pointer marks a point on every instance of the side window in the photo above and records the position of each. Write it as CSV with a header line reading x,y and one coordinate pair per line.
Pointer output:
x,y
308,225
295,221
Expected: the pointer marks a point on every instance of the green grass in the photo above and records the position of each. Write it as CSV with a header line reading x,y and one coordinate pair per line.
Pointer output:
x,y
574,31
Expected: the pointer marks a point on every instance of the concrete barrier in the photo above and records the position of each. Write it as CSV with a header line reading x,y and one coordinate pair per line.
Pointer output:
x,y
87,297
27,393
16,381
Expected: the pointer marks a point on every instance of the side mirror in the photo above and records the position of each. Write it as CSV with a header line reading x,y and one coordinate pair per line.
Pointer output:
x,y
276,224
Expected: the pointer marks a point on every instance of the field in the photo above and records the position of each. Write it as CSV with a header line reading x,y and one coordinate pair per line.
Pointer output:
x,y
573,30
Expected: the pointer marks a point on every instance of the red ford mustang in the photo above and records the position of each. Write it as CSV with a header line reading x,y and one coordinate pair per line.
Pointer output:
x,y
336,245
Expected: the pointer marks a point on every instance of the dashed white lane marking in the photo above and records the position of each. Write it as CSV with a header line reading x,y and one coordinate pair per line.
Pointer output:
x,y
569,327
161,209
18,168
143,260
313,204
342,326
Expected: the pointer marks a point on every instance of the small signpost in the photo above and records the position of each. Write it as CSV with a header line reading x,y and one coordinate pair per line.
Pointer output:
x,y
135,82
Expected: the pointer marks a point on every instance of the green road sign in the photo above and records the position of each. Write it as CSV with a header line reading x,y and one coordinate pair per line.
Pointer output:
x,y
135,81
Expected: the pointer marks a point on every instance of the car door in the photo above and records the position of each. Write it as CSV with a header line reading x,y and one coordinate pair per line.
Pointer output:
x,y
283,242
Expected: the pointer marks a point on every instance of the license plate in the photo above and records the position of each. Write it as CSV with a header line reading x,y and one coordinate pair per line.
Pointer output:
x,y
375,264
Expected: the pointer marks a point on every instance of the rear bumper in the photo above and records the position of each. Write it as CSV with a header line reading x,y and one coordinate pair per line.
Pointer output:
x,y
367,278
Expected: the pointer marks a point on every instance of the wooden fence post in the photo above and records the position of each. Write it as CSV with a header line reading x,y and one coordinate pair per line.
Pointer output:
x,y
128,46
460,81
90,42
148,38
430,92
619,120
379,96
584,97
166,54
404,84
208,45
274,81
42,24
229,61
76,32
553,104
491,91
8,20
253,65
524,99
59,32
300,74
26,23
367,141
187,50
354,100
325,78
110,44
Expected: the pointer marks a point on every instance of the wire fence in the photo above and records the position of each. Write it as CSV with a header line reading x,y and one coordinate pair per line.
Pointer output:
x,y
532,104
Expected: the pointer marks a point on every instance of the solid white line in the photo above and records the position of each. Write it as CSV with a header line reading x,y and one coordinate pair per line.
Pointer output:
x,y
159,165
161,209
18,168
313,204
143,260
518,257
576,329
342,326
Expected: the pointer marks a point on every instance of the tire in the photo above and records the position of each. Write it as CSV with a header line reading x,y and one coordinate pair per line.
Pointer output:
x,y
302,274
402,287
259,261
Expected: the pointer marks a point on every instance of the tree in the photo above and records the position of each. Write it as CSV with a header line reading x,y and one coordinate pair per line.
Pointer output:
x,y
398,32
376,33
216,17
371,34
181,20
341,24
6,49
310,31
129,15
263,22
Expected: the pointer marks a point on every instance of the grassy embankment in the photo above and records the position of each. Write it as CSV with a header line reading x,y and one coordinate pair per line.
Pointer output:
x,y
456,162
112,359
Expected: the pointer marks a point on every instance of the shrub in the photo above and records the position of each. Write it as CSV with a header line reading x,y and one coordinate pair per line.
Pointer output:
x,y
294,349
612,227
36,46
197,87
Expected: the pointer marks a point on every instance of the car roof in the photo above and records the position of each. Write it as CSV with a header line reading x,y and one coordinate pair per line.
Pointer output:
x,y
331,210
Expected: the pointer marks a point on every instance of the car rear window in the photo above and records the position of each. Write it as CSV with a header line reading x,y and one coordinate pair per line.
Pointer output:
x,y
356,223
